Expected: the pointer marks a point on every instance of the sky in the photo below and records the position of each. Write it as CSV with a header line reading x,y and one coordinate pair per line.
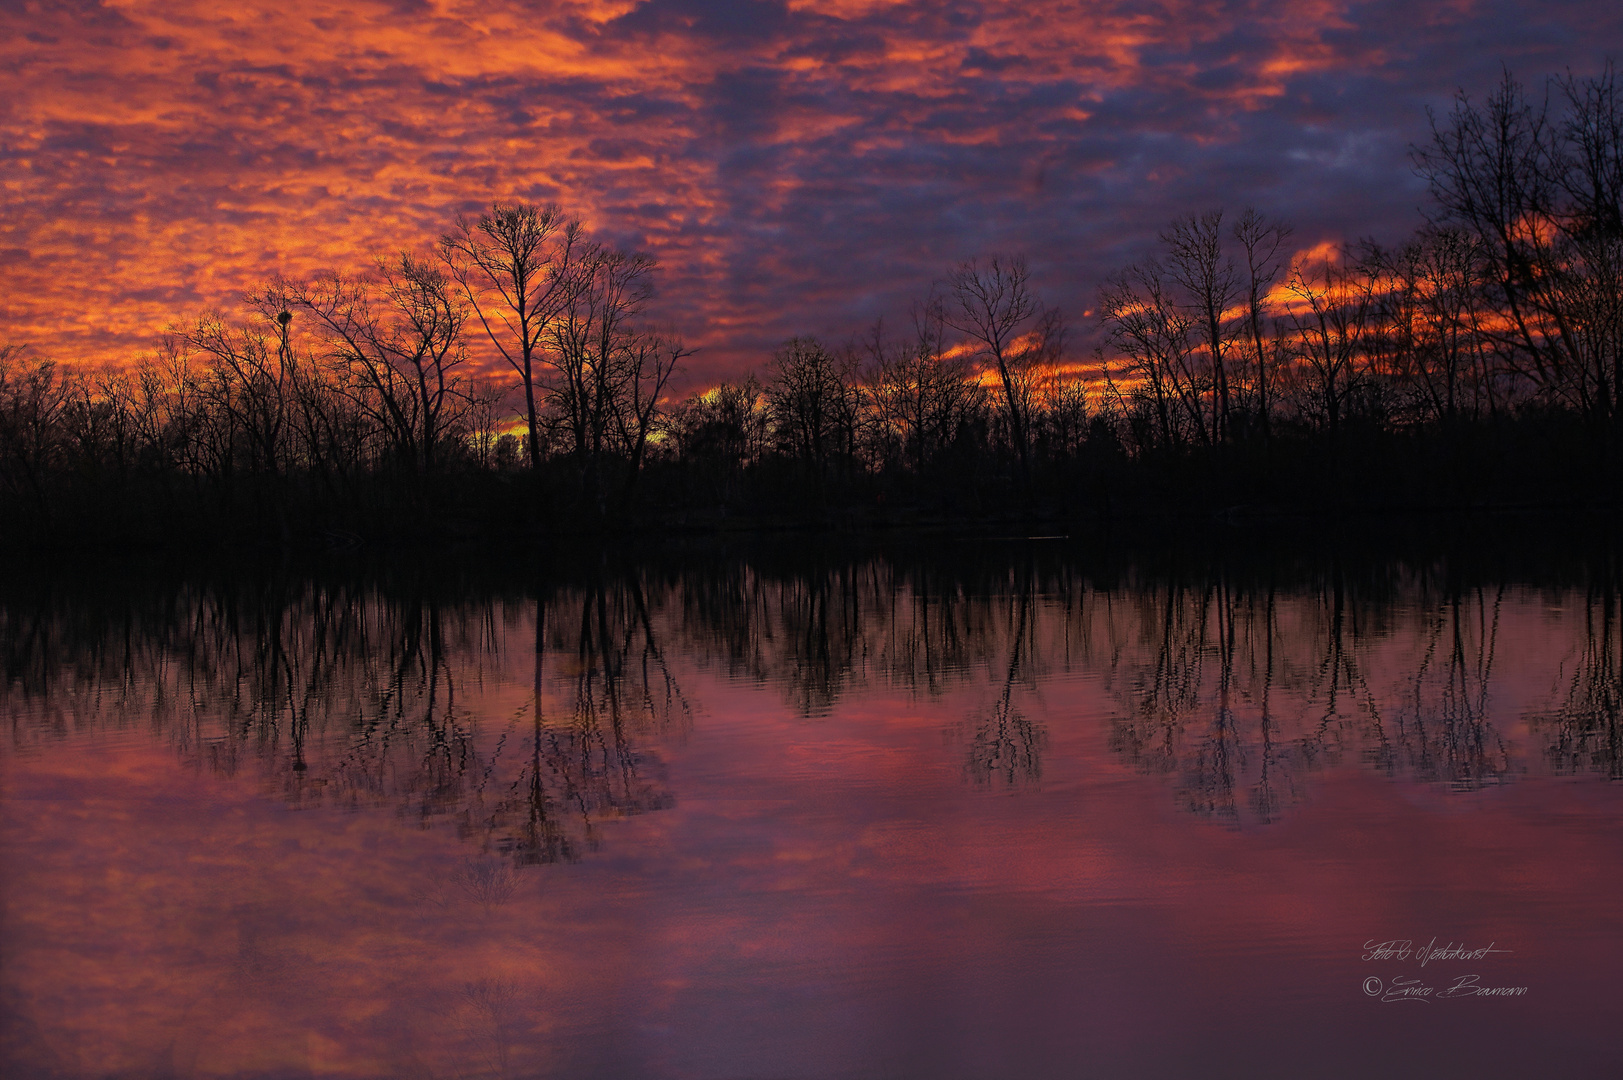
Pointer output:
x,y
796,168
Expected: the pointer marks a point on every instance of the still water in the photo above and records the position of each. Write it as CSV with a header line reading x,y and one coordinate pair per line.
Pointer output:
x,y
1001,809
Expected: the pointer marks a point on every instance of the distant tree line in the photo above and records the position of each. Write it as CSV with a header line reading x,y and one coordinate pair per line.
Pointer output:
x,y
346,401
1480,359
1508,299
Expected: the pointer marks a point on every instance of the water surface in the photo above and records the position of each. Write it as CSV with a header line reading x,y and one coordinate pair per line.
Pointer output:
x,y
1005,810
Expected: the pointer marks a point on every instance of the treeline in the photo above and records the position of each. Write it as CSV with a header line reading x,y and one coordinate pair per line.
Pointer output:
x,y
1480,361
1506,304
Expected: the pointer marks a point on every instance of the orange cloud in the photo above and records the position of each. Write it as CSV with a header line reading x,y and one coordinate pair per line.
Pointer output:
x,y
795,167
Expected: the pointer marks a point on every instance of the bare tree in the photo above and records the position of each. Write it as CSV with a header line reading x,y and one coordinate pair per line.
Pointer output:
x,y
99,422
485,423
399,335
920,394
32,397
516,267
1263,243
651,357
248,377
812,396
171,403
1543,194
1329,324
610,370
1152,331
993,305
721,432
1588,170
1426,322
1065,411
1210,284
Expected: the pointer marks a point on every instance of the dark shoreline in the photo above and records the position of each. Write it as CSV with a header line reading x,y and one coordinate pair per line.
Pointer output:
x,y
1525,543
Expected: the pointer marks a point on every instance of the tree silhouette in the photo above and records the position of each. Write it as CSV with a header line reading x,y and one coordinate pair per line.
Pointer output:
x,y
992,304
516,266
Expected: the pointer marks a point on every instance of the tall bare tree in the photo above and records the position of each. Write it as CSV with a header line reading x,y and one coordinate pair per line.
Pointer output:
x,y
1210,285
1426,322
399,335
249,372
1152,332
1263,244
1329,324
516,267
651,357
993,305
1543,193
605,294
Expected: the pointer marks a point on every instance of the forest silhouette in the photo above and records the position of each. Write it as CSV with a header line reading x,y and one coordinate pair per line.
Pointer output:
x,y
1478,364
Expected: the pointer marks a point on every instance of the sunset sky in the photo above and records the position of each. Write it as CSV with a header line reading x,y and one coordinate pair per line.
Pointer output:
x,y
796,168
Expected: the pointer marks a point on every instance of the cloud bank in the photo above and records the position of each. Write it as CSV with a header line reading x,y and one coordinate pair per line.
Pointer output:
x,y
796,167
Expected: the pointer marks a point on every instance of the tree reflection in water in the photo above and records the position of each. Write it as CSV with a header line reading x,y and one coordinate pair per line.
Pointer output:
x,y
1245,693
1582,729
1007,745
818,634
1235,681
585,768
344,695
526,717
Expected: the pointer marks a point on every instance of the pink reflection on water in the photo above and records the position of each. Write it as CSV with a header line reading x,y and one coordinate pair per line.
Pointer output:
x,y
834,895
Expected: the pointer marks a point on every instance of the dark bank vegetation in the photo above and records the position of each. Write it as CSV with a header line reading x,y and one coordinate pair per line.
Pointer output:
x,y
1477,364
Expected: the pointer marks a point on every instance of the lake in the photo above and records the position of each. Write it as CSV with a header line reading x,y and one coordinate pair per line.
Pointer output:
x,y
959,808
